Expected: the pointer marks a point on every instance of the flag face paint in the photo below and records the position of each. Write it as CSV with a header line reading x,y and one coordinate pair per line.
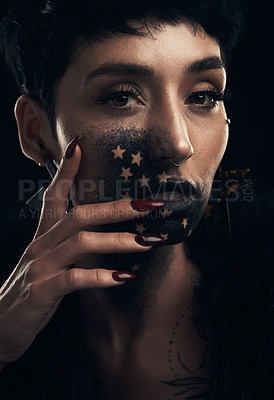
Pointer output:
x,y
128,169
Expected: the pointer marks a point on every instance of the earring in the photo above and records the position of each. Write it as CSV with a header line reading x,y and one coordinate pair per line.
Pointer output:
x,y
228,121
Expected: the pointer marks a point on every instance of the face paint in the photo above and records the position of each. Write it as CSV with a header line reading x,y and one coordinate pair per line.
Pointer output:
x,y
128,170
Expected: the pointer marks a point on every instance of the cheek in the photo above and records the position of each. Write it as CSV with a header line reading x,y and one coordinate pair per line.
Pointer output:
x,y
106,158
215,144
209,148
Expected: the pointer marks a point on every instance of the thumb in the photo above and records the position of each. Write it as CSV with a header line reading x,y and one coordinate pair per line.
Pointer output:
x,y
56,195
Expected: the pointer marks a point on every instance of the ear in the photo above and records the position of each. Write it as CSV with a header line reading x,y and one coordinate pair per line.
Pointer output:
x,y
33,128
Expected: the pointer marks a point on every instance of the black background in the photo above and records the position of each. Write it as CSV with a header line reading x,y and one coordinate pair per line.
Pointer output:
x,y
249,143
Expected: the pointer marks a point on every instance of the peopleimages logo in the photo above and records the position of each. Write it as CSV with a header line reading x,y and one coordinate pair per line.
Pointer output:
x,y
99,191
232,190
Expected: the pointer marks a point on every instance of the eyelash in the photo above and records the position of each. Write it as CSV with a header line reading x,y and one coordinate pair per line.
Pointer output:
x,y
129,90
115,91
215,95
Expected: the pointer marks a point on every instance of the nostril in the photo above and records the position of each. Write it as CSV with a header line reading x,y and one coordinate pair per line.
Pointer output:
x,y
177,164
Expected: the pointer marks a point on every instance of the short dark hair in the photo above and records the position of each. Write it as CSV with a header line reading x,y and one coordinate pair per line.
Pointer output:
x,y
38,36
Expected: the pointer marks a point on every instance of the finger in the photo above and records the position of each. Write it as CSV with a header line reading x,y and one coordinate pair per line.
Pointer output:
x,y
76,278
88,216
84,244
56,195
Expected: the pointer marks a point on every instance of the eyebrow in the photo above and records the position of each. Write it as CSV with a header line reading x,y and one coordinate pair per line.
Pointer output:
x,y
206,64
131,69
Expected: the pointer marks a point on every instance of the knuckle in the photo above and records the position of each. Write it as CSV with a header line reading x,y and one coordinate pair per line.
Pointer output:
x,y
117,210
119,238
114,209
98,276
82,238
35,248
73,277
48,194
31,250
83,216
34,270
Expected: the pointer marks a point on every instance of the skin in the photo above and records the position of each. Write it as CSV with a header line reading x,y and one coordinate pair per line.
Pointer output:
x,y
128,326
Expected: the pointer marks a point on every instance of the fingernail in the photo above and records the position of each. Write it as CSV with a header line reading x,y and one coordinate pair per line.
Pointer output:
x,y
146,204
148,239
71,147
122,276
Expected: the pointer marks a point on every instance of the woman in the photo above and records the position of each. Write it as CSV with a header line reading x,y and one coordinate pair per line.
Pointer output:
x,y
125,100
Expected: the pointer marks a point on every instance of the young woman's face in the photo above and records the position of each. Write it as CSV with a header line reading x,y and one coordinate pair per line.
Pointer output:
x,y
142,105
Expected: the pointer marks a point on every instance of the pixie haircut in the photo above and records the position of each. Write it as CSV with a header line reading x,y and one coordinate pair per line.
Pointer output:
x,y
39,38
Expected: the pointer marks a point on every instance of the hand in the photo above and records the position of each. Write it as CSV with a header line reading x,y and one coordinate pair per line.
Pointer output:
x,y
43,276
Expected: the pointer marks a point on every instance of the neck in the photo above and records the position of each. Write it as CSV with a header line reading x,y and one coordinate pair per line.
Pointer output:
x,y
162,290
143,337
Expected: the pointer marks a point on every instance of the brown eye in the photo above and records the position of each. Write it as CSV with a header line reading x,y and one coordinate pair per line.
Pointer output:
x,y
205,99
119,100
120,96
201,98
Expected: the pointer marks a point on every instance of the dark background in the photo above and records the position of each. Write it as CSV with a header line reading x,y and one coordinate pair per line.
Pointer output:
x,y
249,144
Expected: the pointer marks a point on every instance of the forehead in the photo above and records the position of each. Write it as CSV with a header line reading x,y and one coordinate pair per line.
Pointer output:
x,y
168,48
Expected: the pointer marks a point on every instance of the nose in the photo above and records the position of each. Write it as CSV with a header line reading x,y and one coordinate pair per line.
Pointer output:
x,y
172,142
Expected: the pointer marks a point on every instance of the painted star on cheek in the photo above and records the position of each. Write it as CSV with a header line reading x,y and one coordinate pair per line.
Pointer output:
x,y
165,236
144,181
184,222
126,173
136,158
140,228
118,153
164,177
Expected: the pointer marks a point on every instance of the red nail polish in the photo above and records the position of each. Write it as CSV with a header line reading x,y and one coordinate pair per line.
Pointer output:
x,y
148,239
71,147
122,276
146,204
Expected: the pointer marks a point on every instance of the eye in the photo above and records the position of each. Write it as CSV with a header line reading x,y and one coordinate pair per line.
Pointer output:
x,y
120,95
206,99
120,100
201,98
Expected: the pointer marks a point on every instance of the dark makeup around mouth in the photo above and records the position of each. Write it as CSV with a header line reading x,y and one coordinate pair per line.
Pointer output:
x,y
167,191
175,220
131,171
